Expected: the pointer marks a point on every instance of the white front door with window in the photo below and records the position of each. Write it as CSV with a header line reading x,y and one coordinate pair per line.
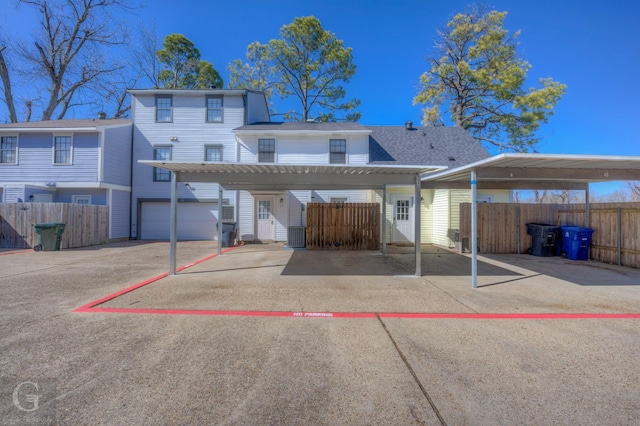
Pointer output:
x,y
402,225
265,221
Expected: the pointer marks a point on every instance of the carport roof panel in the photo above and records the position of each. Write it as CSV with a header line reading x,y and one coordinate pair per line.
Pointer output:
x,y
534,170
293,176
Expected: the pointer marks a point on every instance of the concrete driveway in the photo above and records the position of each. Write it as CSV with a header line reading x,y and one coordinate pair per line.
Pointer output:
x,y
151,360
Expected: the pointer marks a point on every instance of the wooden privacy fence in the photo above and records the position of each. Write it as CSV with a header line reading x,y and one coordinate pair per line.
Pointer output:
x,y
343,226
86,225
502,227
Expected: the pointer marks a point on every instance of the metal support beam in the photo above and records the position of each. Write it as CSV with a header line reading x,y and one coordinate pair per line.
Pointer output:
x,y
219,220
416,214
384,220
173,224
474,231
587,204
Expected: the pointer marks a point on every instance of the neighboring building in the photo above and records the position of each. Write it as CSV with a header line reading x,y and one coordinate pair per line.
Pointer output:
x,y
69,161
447,147
186,125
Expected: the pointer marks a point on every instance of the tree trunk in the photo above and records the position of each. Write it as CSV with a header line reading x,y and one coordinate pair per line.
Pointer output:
x,y
6,82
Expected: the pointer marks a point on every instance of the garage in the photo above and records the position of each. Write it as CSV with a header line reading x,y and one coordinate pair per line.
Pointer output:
x,y
197,221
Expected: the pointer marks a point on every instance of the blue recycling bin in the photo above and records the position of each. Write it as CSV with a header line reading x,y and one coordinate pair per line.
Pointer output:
x,y
576,241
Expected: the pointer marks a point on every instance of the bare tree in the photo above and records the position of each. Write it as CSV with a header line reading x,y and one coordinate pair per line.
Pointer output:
x,y
66,58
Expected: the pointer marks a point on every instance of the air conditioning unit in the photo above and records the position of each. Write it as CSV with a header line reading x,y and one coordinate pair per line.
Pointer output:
x,y
296,236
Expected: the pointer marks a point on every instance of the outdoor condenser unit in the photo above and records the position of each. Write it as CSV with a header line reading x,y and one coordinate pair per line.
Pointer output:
x,y
296,236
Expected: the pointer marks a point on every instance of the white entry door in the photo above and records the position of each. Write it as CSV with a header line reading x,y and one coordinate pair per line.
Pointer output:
x,y
264,220
402,220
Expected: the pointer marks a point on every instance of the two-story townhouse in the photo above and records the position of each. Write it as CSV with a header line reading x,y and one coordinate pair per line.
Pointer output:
x,y
69,161
264,214
192,126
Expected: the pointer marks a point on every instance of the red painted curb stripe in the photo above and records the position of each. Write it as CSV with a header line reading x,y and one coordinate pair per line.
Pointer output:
x,y
234,313
362,314
90,305
509,316
16,252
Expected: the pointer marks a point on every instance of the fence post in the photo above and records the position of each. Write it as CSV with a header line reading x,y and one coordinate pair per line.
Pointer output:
x,y
619,236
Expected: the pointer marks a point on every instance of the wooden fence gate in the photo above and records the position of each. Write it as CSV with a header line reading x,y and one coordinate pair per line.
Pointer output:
x,y
343,226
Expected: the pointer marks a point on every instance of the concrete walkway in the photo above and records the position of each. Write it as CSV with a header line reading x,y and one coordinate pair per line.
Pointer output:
x,y
127,368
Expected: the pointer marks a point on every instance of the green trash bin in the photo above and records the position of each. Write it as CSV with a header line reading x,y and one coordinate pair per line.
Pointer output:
x,y
49,235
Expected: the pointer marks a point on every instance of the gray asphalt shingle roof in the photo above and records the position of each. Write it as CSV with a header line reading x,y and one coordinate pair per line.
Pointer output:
x,y
299,126
65,124
423,145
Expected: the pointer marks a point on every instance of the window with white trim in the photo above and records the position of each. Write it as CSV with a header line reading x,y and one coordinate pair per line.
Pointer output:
x,y
62,148
213,153
266,150
338,199
164,108
215,111
338,151
161,153
8,150
81,199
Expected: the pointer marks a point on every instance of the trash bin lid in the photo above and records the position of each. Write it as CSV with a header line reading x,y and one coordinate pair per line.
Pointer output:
x,y
47,225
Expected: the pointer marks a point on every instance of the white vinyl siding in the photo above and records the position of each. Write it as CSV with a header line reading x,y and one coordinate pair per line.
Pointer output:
x,y
440,218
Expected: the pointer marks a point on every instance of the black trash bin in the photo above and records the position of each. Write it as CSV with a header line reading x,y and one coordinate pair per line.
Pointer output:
x,y
49,235
545,239
228,233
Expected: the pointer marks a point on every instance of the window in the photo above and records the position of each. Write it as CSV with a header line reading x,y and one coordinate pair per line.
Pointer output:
x,y
8,149
213,153
266,150
81,199
214,109
338,199
163,108
338,151
62,150
402,210
161,153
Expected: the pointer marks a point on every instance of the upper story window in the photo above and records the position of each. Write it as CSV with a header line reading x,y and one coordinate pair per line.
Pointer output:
x,y
164,104
8,150
266,150
213,153
161,153
62,146
214,109
338,151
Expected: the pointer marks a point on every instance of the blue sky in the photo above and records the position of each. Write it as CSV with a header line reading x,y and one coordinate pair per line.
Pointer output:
x,y
591,46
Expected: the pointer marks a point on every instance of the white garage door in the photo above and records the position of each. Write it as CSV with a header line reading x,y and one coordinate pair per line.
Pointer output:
x,y
196,221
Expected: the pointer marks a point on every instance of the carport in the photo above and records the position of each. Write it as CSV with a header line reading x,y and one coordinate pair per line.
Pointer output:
x,y
283,177
531,171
